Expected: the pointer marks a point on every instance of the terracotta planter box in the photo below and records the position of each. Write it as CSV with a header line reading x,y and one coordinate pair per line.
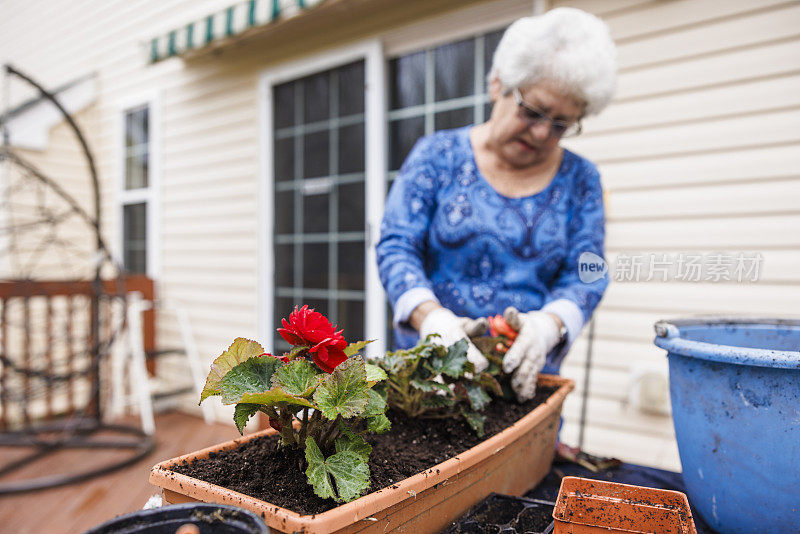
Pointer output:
x,y
595,506
511,462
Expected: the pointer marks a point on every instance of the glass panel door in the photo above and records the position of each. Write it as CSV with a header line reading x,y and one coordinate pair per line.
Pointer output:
x,y
319,231
436,89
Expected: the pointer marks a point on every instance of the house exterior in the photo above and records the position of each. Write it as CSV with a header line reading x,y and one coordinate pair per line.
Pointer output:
x,y
244,162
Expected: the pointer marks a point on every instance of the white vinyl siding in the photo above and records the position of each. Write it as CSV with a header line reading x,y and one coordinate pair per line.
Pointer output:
x,y
699,153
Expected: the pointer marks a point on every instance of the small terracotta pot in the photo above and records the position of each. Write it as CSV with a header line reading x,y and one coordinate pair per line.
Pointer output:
x,y
595,506
511,462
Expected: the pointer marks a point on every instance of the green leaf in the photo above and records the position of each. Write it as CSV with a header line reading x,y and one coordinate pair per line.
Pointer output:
x,y
344,392
353,348
490,383
376,404
494,358
437,401
292,354
404,362
476,421
430,385
393,363
469,367
274,396
252,376
242,413
350,472
348,469
375,374
298,377
354,443
478,398
316,471
452,363
240,351
378,424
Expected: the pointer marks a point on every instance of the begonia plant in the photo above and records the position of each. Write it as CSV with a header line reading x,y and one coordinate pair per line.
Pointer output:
x,y
319,396
432,381
494,347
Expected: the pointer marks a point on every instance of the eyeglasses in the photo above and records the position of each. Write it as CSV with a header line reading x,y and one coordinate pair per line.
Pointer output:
x,y
533,116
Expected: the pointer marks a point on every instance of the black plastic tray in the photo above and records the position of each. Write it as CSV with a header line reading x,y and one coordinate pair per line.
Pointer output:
x,y
504,514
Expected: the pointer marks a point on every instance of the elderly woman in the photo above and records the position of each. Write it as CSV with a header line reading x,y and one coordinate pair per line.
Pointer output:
x,y
493,218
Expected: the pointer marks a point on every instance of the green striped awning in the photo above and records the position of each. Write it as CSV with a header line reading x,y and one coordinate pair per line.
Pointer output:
x,y
224,24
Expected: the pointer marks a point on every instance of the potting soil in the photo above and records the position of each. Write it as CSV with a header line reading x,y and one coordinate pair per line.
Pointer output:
x,y
505,514
261,469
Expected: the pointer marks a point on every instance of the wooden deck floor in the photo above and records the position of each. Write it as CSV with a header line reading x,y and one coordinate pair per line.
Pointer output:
x,y
79,506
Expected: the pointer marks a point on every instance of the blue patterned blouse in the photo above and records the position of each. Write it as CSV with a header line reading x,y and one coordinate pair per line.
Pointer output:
x,y
447,234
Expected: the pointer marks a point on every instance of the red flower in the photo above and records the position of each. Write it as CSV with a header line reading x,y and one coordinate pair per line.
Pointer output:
x,y
499,327
308,327
328,359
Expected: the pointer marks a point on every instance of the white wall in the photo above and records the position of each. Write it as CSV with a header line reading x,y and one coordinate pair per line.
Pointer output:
x,y
699,153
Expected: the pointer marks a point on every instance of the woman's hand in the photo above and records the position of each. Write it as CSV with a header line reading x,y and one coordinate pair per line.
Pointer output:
x,y
451,328
539,332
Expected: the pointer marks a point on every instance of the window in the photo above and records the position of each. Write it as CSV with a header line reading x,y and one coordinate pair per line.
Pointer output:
x,y
134,225
436,88
136,187
319,187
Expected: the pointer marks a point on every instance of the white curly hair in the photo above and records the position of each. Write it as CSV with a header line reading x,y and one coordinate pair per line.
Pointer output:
x,y
566,46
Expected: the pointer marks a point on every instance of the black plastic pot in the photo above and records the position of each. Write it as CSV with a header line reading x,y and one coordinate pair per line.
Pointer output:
x,y
504,514
209,518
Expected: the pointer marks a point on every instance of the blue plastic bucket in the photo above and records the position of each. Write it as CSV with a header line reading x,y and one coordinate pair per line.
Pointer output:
x,y
735,388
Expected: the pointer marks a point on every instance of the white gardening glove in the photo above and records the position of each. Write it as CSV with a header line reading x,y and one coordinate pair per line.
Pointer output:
x,y
451,328
538,334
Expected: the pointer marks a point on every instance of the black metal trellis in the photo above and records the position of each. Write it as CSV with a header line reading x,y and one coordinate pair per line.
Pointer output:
x,y
62,304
